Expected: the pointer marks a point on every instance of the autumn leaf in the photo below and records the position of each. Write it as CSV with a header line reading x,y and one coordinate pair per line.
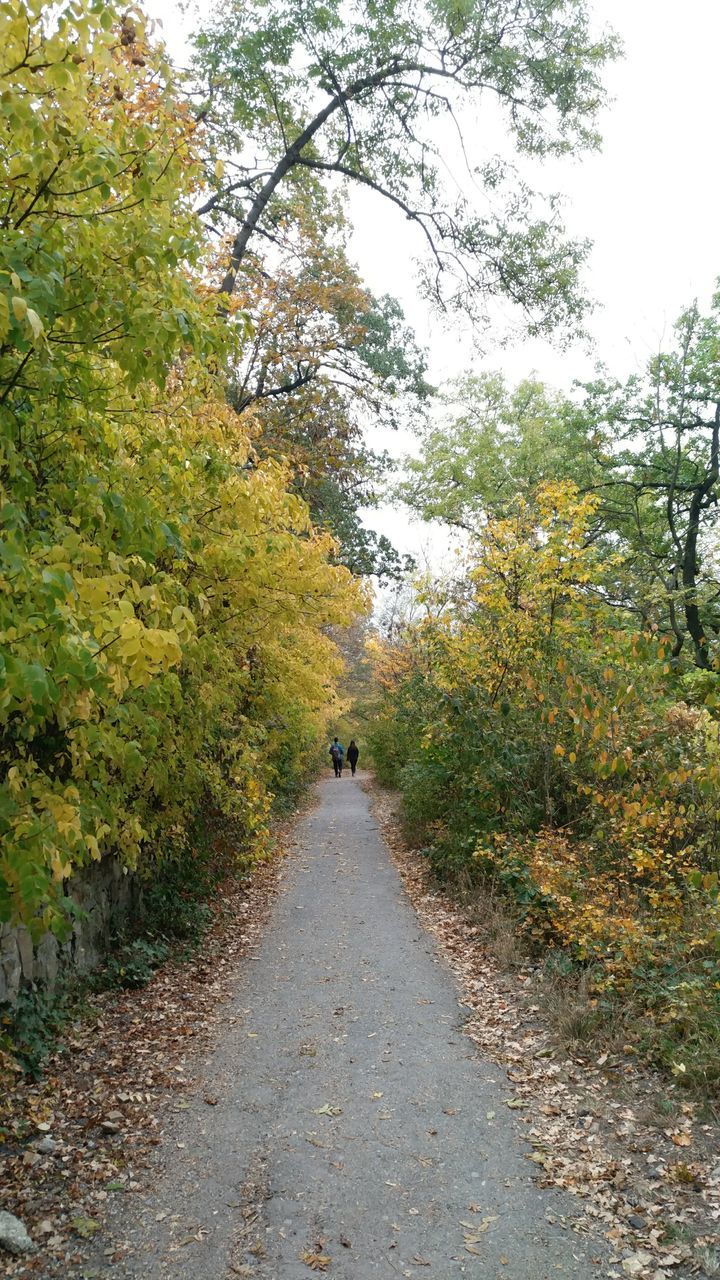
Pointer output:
x,y
85,1227
315,1261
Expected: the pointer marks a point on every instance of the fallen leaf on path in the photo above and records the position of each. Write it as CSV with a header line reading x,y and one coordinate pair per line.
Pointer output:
x,y
327,1110
636,1263
476,1229
315,1261
315,1141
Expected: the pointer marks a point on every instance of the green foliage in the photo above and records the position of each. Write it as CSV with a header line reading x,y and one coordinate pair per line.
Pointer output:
x,y
492,444
132,963
163,596
31,1028
657,439
354,92
543,744
648,447
324,357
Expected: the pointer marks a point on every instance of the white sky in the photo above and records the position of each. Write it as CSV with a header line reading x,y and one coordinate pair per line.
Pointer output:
x,y
648,201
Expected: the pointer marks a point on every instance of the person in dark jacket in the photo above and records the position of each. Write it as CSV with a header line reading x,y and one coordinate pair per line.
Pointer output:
x,y
352,756
337,753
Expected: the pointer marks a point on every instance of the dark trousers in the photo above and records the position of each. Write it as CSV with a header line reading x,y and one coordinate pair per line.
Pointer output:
x,y
337,766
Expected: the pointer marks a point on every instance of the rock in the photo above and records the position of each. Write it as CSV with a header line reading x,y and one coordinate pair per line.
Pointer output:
x,y
47,1146
25,952
10,966
13,1235
47,955
636,1221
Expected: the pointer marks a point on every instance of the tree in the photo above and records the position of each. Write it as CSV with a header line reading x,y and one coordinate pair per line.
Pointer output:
x,y
492,445
647,447
661,459
360,92
324,358
164,599
538,745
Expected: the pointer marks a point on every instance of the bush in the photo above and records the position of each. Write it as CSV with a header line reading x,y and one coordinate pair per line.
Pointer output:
x,y
32,1025
547,750
164,598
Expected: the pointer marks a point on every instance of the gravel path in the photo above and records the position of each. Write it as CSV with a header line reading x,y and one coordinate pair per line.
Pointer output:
x,y
350,1125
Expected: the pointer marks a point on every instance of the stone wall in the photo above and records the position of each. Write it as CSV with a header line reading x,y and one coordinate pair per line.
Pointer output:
x,y
105,896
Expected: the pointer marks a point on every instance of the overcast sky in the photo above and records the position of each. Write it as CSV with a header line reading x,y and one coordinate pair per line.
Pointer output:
x,y
648,201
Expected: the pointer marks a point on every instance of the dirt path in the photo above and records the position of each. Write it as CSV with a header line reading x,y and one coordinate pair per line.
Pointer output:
x,y
345,1123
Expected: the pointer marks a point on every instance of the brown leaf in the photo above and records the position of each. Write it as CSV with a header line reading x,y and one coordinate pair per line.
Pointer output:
x,y
315,1261
681,1139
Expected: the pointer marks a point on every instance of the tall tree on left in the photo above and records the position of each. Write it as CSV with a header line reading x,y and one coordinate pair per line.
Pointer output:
x,y
163,609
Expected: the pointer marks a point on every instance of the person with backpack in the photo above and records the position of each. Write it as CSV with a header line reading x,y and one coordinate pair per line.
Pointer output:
x,y
352,756
337,752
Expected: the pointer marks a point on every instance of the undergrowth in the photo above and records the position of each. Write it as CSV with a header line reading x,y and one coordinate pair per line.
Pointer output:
x,y
668,1016
174,916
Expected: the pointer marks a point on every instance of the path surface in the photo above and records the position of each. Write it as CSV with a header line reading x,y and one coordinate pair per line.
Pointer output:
x,y
352,1117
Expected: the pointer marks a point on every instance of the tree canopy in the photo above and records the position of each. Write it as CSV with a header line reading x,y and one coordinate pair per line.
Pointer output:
x,y
298,93
164,597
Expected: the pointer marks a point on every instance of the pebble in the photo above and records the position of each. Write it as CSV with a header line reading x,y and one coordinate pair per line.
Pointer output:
x,y
636,1221
47,1146
13,1236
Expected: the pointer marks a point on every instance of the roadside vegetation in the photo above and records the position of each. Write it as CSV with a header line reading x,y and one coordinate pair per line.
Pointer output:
x,y
551,713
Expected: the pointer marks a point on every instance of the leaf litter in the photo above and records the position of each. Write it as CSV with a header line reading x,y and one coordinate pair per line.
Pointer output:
x,y
118,1073
591,1131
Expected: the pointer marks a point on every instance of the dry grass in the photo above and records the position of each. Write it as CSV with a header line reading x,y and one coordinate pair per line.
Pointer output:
x,y
486,912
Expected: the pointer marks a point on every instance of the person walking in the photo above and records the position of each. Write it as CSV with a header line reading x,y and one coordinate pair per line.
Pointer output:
x,y
352,756
337,752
